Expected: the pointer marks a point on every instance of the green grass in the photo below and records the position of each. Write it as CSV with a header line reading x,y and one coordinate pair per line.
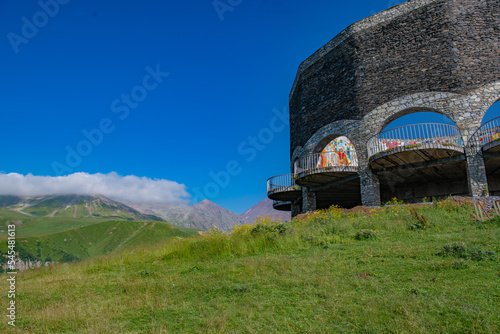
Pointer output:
x,y
11,215
330,273
93,239
44,226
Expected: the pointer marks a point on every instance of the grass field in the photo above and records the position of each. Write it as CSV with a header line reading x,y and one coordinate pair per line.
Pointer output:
x,y
389,271
91,240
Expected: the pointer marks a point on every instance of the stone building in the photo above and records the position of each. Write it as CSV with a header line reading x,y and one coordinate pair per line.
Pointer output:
x,y
439,56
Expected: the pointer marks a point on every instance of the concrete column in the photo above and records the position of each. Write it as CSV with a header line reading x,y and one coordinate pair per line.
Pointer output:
x,y
370,188
476,174
295,210
308,200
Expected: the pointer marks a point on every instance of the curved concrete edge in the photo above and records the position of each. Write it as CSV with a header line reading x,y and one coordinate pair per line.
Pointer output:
x,y
282,205
400,149
490,145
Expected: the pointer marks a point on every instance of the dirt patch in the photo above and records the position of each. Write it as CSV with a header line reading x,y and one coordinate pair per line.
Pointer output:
x,y
303,216
363,275
368,211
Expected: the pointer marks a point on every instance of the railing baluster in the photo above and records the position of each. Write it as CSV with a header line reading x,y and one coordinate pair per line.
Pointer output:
x,y
484,135
425,134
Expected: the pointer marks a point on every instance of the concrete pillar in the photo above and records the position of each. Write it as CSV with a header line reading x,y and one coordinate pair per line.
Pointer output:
x,y
370,188
476,173
308,200
295,210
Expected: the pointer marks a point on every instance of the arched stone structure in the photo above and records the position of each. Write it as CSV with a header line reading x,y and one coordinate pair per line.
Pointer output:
x,y
422,55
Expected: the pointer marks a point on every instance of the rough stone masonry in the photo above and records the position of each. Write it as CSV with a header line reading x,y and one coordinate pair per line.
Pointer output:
x,y
422,55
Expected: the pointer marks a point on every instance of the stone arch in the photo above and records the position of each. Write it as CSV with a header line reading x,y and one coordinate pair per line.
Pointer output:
x,y
495,108
376,120
348,128
466,111
406,112
489,95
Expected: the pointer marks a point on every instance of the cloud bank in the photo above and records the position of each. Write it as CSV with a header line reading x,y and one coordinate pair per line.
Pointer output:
x,y
121,188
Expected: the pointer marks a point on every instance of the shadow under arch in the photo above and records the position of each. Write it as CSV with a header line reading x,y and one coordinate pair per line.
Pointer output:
x,y
419,153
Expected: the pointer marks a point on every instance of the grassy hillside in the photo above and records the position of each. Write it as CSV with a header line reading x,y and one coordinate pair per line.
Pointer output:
x,y
43,226
90,239
387,271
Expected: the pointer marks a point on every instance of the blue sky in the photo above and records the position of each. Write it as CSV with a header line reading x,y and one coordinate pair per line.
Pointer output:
x,y
172,90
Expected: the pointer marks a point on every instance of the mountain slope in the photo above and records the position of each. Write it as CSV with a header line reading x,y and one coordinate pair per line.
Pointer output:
x,y
72,206
208,214
73,227
203,215
94,240
262,209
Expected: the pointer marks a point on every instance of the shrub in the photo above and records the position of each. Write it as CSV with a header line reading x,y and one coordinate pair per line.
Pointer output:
x,y
454,249
478,254
366,235
267,226
460,250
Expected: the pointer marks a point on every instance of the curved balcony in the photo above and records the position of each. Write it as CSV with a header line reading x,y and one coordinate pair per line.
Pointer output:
x,y
487,137
283,188
415,143
282,206
323,168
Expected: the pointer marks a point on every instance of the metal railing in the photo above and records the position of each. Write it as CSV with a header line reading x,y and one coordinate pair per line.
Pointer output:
x,y
487,133
281,183
327,162
425,135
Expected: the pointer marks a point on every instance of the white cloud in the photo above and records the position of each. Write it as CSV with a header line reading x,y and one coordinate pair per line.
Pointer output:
x,y
125,188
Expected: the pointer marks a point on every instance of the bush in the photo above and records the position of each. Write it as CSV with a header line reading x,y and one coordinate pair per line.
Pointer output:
x,y
270,227
454,249
366,235
478,254
460,250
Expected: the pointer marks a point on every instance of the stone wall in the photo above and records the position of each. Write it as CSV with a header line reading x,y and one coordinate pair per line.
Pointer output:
x,y
422,55
419,47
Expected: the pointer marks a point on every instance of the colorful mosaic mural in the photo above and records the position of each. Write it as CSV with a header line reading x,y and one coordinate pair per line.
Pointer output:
x,y
490,136
339,152
384,146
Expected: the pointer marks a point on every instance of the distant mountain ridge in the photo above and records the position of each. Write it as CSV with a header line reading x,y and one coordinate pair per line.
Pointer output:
x,y
203,215
207,214
262,209
72,206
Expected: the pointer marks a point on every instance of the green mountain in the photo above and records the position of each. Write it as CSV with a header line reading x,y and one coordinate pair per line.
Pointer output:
x,y
94,240
73,227
75,206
